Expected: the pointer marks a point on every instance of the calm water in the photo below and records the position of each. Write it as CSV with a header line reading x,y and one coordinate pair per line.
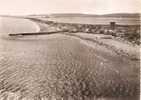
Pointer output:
x,y
15,25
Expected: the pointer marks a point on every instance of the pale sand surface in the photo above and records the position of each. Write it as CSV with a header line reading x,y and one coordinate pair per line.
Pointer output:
x,y
121,47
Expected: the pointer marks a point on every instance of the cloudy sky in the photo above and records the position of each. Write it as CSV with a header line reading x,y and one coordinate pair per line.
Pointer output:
x,y
14,7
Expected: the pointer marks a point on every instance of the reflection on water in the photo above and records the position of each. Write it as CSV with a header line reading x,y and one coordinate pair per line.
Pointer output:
x,y
15,25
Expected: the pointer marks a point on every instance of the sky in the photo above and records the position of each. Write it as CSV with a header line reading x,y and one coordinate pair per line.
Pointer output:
x,y
22,7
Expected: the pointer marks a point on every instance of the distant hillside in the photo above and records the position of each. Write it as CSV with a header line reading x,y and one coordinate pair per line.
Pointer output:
x,y
119,18
40,15
71,15
130,15
127,15
123,15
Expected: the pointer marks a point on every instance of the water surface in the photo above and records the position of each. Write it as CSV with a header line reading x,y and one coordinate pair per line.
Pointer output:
x,y
16,25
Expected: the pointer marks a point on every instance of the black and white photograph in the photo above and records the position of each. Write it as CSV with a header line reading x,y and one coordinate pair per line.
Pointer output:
x,y
70,49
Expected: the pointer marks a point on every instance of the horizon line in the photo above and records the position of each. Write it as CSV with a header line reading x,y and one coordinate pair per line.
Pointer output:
x,y
69,13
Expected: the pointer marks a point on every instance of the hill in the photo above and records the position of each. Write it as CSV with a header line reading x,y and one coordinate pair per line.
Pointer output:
x,y
130,15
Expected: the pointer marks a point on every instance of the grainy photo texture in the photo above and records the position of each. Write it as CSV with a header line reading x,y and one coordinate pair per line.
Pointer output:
x,y
70,49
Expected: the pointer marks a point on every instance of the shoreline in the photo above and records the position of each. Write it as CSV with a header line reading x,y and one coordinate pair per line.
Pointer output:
x,y
34,66
128,49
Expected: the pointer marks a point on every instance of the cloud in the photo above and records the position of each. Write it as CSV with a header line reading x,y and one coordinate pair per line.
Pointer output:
x,y
68,6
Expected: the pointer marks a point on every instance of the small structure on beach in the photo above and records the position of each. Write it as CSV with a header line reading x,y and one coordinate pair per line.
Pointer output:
x,y
112,25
